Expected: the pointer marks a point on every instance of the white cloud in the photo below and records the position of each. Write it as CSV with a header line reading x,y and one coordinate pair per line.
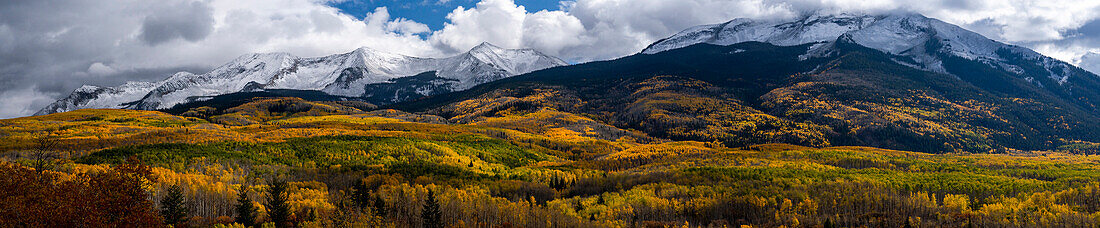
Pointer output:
x,y
1090,62
406,26
553,31
497,21
506,24
20,102
99,68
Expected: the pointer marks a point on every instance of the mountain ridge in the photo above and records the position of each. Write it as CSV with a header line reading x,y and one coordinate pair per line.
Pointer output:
x,y
915,39
839,92
345,74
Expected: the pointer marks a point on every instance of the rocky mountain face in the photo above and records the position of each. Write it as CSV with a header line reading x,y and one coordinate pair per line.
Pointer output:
x,y
347,75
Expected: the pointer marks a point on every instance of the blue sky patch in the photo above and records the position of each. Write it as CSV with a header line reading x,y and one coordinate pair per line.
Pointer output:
x,y
429,12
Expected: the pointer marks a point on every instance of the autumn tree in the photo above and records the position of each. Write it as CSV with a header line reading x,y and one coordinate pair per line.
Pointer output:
x,y
278,209
246,211
172,206
121,194
114,198
43,155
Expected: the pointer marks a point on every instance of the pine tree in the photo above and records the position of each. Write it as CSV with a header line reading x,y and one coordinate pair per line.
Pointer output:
x,y
828,223
361,195
379,205
246,211
431,214
277,207
172,208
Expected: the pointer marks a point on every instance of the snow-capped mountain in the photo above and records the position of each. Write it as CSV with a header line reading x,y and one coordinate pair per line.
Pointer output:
x,y
100,97
913,40
347,74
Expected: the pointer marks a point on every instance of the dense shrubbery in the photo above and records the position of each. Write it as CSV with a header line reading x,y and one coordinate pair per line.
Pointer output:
x,y
115,197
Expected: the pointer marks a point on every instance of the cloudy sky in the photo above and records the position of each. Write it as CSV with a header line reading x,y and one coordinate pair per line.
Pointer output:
x,y
50,47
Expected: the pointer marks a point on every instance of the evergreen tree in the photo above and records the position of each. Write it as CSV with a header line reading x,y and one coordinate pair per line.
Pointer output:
x,y
379,205
246,211
277,207
828,223
361,195
172,208
430,213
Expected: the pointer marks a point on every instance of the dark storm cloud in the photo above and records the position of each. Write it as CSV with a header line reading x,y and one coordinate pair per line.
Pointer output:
x,y
1087,35
49,48
1092,28
190,21
987,27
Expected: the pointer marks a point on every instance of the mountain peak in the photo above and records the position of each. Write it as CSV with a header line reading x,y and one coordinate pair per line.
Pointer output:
x,y
365,49
345,74
910,38
87,89
812,28
486,47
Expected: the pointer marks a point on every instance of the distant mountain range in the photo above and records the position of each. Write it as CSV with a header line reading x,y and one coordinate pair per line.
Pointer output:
x,y
389,77
898,81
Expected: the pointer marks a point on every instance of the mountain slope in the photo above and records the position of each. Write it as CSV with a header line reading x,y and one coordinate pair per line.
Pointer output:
x,y
912,39
347,75
844,91
100,97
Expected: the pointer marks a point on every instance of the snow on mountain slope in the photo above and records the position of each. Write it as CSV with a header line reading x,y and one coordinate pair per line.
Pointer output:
x,y
481,64
237,75
100,97
346,74
810,29
917,41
